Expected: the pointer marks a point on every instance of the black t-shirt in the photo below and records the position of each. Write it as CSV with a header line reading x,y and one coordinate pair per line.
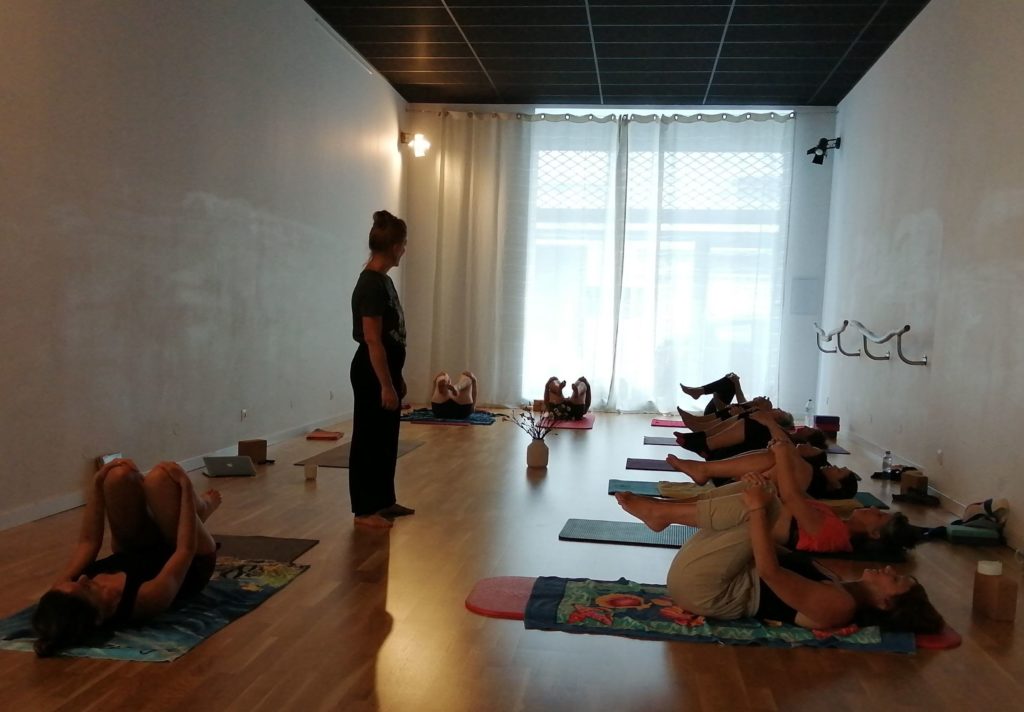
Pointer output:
x,y
375,295
771,607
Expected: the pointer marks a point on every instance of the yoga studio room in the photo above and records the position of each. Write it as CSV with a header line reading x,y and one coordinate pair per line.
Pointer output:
x,y
511,355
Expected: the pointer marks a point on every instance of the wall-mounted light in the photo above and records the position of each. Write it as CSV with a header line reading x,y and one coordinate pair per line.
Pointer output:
x,y
419,143
821,150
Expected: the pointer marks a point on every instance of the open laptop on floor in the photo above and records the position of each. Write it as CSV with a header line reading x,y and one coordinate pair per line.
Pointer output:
x,y
229,466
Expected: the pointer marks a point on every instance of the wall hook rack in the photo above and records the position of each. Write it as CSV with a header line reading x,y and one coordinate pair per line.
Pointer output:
x,y
867,335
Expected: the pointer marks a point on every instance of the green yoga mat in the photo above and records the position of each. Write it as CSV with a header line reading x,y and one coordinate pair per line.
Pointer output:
x,y
603,532
869,500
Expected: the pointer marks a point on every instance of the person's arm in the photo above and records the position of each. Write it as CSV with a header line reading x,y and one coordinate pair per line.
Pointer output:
x,y
765,418
740,398
819,604
805,450
90,535
790,492
373,329
156,595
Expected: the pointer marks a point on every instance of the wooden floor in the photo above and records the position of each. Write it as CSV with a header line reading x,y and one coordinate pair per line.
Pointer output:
x,y
378,620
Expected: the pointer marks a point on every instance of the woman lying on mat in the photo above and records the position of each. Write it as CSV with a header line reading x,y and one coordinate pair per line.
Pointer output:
x,y
804,524
811,471
161,552
730,569
738,435
453,401
721,391
576,405
705,422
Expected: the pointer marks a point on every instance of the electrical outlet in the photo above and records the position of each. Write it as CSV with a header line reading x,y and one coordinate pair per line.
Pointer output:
x,y
245,414
332,395
938,456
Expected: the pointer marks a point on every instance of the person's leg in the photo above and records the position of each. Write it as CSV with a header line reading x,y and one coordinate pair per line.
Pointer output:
x,y
362,450
697,422
464,391
733,468
442,388
387,505
713,574
163,498
125,503
553,392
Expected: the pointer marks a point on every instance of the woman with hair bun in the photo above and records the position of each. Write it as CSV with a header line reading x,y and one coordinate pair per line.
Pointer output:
x,y
378,326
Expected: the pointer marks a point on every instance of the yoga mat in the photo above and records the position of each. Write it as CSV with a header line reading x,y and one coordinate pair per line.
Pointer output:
x,y
584,423
644,489
867,499
656,440
834,449
501,597
639,463
425,416
661,423
237,587
268,548
602,532
645,611
338,456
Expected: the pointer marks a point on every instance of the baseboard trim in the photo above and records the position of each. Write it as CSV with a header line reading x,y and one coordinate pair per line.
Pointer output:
x,y
70,500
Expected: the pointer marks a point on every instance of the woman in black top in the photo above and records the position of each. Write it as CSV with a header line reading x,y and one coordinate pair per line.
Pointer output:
x,y
161,552
378,326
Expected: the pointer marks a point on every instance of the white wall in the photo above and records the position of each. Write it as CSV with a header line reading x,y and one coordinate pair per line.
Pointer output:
x,y
187,190
805,259
926,229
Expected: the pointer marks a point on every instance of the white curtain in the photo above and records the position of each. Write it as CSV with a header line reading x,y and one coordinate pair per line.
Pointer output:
x,y
639,252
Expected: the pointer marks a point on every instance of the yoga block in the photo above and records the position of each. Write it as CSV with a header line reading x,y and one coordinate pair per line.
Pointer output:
x,y
827,423
995,594
538,406
913,482
255,449
960,534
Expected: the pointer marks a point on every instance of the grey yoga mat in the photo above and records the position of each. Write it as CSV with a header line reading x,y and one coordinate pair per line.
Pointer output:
x,y
604,532
640,463
659,440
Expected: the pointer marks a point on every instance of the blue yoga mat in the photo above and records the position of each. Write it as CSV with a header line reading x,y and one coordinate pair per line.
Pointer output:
x,y
600,531
869,500
237,587
640,610
646,489
425,416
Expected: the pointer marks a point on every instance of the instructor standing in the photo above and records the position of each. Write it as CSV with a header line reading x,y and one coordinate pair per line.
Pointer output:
x,y
378,325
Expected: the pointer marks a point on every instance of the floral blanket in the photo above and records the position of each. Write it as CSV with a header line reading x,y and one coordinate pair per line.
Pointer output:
x,y
237,587
640,610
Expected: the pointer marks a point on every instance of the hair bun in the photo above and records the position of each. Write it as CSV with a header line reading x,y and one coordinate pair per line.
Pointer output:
x,y
381,218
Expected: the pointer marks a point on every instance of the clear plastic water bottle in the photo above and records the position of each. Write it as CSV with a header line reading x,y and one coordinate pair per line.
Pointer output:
x,y
887,462
809,413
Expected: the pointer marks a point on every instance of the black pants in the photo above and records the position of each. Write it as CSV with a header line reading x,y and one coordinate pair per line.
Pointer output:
x,y
723,390
374,452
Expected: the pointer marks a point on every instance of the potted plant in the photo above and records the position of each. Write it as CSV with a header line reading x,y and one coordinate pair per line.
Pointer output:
x,y
538,429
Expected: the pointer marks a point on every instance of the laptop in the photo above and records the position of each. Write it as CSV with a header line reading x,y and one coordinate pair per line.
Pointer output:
x,y
229,466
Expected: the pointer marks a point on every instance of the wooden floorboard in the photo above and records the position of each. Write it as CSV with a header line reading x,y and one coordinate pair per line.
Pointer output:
x,y
378,622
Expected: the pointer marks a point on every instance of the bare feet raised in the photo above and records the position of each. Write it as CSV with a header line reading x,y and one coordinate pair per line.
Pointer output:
x,y
692,391
696,470
207,504
372,521
644,509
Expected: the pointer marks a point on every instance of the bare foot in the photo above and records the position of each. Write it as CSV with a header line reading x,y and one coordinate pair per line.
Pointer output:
x,y
692,391
207,504
694,469
685,417
644,509
372,521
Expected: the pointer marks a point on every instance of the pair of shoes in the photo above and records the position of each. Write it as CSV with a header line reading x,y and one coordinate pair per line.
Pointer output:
x,y
396,510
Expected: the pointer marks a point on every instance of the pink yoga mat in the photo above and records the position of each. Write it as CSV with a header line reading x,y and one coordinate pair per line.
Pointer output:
x,y
659,423
586,423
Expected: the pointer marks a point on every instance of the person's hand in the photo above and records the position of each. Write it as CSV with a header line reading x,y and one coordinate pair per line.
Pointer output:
x,y
389,398
174,471
758,493
403,389
733,377
762,417
779,447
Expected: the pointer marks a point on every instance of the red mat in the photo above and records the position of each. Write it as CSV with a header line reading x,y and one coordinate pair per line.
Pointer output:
x,y
585,423
501,597
659,423
506,597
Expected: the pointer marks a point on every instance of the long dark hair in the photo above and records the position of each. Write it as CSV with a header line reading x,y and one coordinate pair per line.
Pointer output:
x,y
387,231
910,611
62,620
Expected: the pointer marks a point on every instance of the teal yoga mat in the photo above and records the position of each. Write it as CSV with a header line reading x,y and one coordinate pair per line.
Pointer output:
x,y
646,489
605,532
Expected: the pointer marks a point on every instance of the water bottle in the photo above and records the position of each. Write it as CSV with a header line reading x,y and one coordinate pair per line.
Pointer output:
x,y
887,462
809,413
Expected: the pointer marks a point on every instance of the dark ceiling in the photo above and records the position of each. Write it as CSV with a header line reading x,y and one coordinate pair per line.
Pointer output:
x,y
621,52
